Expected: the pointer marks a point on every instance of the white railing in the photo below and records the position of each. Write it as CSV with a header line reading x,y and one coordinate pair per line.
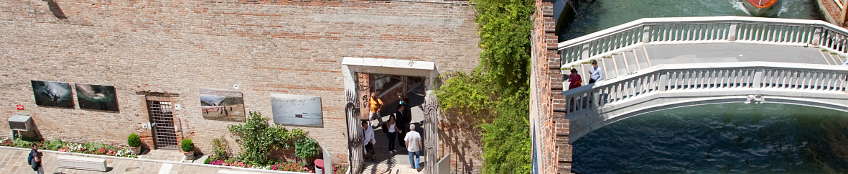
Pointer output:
x,y
678,30
717,77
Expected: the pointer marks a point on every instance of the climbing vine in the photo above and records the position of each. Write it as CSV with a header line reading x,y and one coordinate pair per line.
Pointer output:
x,y
496,93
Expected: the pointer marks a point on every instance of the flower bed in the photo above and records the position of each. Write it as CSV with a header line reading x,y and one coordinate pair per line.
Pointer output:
x,y
58,145
283,166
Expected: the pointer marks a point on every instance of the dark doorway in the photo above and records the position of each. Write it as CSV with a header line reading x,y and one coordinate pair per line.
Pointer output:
x,y
162,124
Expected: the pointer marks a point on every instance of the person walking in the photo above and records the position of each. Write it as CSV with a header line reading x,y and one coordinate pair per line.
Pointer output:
x,y
413,145
376,105
392,134
34,160
596,72
403,120
368,140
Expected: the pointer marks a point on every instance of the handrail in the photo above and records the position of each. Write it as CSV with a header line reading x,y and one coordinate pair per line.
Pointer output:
x,y
705,29
707,76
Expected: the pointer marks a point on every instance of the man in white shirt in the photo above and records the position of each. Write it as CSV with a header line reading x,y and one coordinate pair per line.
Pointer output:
x,y
413,145
596,72
368,140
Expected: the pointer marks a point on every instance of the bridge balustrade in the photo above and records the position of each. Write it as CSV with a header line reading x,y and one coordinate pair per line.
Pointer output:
x,y
713,78
682,30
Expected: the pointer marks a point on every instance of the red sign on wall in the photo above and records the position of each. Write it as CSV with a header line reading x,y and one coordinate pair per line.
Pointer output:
x,y
20,107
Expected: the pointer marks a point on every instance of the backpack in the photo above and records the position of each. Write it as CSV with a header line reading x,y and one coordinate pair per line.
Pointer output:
x,y
385,127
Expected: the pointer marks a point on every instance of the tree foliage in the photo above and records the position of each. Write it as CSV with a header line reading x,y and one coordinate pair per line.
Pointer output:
x,y
504,27
496,93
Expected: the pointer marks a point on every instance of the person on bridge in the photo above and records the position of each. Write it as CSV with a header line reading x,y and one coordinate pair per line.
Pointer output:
x,y
596,72
574,79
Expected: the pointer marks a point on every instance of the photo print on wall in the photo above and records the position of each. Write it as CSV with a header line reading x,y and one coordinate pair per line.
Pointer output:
x,y
97,97
55,94
222,105
297,110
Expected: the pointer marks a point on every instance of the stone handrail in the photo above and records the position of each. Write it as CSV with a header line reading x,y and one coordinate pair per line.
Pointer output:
x,y
713,76
681,85
724,29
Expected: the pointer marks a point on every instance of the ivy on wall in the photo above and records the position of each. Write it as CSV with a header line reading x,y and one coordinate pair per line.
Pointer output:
x,y
496,94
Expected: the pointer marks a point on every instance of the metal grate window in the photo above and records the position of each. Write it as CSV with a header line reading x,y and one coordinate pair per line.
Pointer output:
x,y
162,122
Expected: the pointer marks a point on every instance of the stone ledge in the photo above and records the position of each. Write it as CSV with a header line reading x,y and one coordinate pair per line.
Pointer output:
x,y
150,160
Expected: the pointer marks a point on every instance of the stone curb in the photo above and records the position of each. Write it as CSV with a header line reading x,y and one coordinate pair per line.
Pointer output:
x,y
157,161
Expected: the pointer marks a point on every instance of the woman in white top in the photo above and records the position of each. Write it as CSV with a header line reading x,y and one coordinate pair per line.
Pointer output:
x,y
393,131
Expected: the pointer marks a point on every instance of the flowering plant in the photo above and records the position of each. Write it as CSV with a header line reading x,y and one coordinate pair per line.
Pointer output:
x,y
88,148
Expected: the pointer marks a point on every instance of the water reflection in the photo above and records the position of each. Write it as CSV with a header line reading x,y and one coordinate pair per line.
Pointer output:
x,y
721,138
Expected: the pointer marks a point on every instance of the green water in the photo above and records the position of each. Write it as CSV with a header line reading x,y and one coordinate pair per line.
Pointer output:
x,y
596,15
724,138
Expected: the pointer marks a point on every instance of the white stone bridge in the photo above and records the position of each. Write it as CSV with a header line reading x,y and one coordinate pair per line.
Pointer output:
x,y
662,63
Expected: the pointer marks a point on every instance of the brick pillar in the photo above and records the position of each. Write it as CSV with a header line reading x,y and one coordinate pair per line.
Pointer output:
x,y
548,104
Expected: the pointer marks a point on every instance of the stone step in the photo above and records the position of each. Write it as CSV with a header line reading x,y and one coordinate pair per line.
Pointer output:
x,y
640,55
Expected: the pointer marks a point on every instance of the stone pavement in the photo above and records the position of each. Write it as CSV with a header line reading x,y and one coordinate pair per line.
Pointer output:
x,y
396,163
13,160
167,155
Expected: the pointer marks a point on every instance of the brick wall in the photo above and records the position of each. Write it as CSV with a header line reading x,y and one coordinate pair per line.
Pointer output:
x,y
179,46
547,103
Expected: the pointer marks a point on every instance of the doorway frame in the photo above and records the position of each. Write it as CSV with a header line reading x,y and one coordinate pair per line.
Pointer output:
x,y
353,65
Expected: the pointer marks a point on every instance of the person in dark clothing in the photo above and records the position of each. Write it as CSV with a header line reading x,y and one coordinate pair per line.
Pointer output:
x,y
34,160
403,120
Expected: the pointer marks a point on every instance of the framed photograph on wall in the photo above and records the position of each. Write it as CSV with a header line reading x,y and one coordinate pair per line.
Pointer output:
x,y
54,94
297,110
222,105
96,97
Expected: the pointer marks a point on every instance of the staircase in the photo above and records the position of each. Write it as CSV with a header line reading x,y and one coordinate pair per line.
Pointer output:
x,y
833,58
616,64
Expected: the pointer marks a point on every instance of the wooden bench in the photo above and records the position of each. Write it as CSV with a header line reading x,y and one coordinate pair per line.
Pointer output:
x,y
82,163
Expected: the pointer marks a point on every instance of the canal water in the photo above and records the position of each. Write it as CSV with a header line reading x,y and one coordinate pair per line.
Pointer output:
x,y
721,138
724,138
596,15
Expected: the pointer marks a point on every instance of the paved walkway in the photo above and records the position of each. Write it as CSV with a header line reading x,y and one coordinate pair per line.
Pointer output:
x,y
395,163
735,52
13,160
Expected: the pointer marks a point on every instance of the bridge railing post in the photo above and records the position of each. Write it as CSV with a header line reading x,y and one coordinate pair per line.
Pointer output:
x,y
816,36
758,78
595,99
646,34
731,33
663,81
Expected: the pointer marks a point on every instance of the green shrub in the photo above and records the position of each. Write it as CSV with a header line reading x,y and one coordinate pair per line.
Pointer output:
x,y
306,148
219,146
54,144
133,140
94,146
257,138
208,160
22,143
187,145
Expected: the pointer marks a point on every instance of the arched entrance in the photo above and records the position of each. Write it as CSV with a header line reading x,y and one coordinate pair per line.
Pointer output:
x,y
352,67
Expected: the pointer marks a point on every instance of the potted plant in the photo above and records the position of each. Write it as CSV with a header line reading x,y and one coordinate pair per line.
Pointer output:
x,y
135,143
188,148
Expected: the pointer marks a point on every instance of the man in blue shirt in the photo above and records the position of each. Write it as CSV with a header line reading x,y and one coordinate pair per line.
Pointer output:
x,y
596,72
